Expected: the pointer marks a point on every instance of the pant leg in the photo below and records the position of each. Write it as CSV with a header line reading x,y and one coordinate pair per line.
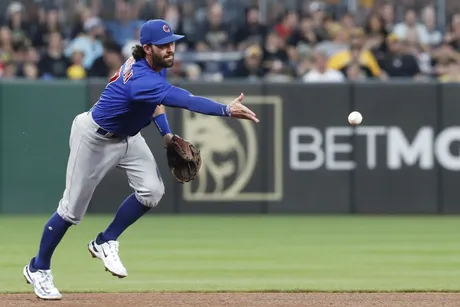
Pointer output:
x,y
142,171
91,157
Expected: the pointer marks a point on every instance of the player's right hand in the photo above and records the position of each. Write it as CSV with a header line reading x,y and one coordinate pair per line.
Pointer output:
x,y
238,110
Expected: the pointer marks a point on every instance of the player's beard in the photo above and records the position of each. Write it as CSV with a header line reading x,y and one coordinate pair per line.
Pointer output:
x,y
162,61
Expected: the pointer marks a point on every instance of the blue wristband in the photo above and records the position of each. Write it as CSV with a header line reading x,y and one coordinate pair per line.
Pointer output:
x,y
161,121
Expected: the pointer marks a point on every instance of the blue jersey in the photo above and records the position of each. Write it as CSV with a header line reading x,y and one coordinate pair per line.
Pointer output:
x,y
130,98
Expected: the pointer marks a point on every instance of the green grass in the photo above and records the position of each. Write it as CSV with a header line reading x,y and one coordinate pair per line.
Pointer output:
x,y
248,253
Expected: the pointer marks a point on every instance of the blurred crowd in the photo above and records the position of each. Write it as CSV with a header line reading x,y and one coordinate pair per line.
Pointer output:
x,y
308,40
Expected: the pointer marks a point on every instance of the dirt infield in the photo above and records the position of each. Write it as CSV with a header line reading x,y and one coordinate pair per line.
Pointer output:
x,y
240,299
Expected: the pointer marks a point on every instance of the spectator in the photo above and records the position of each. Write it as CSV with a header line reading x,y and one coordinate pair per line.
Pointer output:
x,y
33,55
172,16
304,64
317,10
453,36
376,35
429,20
106,65
20,55
6,45
78,26
440,58
50,25
214,33
177,71
413,47
410,24
252,31
16,22
375,26
347,22
250,66
356,53
189,25
152,9
89,43
10,70
76,70
397,63
274,54
30,71
193,72
287,25
321,73
53,63
304,36
202,9
123,28
339,42
452,72
387,12
356,67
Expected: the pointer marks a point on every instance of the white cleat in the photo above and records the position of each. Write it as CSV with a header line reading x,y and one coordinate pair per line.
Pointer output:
x,y
108,253
42,280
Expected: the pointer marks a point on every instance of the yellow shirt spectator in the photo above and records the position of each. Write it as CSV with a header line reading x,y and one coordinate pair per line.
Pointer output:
x,y
366,58
76,72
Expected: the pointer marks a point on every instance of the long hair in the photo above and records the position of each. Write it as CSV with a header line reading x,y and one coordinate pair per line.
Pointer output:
x,y
138,52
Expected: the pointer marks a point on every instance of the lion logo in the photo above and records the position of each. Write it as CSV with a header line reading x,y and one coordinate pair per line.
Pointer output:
x,y
229,159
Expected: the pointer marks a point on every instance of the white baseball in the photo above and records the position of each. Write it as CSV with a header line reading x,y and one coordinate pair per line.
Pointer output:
x,y
355,118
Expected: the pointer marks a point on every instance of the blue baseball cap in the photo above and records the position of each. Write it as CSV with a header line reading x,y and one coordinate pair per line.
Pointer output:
x,y
157,32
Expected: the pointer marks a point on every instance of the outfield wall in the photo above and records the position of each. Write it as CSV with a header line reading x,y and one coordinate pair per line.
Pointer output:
x,y
302,158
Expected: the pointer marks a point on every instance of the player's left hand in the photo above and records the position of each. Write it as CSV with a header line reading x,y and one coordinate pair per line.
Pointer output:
x,y
183,157
238,110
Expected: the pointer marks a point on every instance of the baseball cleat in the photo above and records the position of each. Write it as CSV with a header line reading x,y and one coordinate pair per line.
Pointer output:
x,y
42,280
108,253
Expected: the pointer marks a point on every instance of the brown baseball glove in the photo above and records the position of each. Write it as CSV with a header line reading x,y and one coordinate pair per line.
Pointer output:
x,y
184,159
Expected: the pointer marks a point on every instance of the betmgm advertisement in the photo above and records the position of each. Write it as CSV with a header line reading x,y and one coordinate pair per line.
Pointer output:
x,y
242,160
424,150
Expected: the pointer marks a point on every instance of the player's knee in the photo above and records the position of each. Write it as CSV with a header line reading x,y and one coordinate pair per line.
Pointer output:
x,y
151,196
69,216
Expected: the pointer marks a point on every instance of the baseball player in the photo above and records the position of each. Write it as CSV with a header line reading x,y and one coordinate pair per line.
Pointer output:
x,y
108,136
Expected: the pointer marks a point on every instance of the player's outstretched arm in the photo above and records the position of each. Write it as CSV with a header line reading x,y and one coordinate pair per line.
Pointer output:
x,y
180,98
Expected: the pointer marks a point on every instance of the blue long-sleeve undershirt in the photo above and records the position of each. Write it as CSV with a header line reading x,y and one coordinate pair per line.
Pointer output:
x,y
180,98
